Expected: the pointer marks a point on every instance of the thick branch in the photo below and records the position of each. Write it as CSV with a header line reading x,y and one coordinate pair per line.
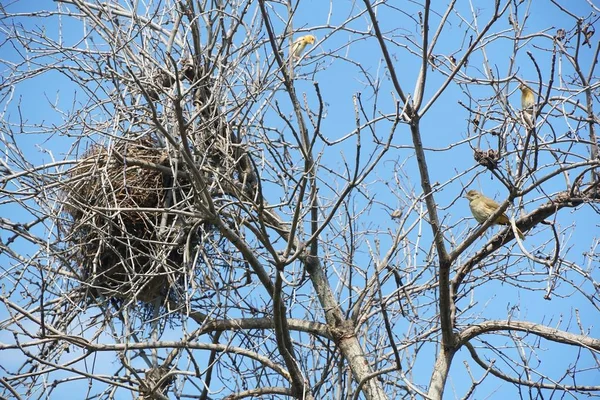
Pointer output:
x,y
343,331
552,334
507,378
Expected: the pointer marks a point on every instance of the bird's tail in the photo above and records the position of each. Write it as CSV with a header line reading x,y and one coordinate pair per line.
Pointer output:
x,y
520,234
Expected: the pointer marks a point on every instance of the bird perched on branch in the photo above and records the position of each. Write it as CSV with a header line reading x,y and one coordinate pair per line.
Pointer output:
x,y
527,102
483,207
300,44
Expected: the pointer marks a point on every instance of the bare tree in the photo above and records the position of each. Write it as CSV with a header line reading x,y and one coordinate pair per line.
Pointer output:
x,y
212,217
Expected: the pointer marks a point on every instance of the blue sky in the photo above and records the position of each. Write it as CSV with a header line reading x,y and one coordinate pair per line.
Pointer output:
x,y
445,124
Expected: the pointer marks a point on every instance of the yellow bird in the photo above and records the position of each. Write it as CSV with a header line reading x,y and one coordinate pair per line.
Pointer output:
x,y
483,207
527,101
300,44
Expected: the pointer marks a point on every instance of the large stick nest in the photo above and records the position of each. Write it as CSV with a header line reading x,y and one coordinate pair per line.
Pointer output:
x,y
129,242
117,213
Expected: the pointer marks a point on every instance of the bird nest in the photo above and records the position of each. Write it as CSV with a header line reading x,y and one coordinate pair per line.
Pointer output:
x,y
488,159
124,242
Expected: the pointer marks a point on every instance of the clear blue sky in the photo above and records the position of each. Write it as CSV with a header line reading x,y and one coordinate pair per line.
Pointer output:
x,y
444,124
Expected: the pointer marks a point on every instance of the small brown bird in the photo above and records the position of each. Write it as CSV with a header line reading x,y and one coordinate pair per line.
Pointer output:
x,y
588,32
527,102
527,97
482,207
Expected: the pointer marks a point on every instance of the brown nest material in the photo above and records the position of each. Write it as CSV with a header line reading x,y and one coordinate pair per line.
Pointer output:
x,y
157,382
115,213
488,159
